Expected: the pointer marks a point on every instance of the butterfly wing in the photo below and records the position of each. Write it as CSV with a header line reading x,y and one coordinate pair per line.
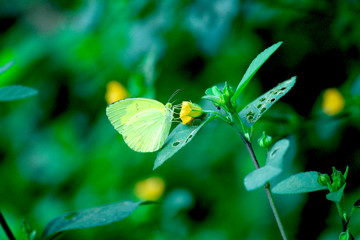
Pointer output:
x,y
147,130
121,111
144,123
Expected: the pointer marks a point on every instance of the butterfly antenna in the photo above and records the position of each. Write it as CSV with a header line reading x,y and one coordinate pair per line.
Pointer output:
x,y
174,94
175,102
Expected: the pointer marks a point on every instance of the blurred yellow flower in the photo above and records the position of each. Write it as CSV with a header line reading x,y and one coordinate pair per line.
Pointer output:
x,y
150,189
189,111
333,101
115,91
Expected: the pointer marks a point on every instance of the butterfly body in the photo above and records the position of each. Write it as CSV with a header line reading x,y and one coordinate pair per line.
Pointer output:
x,y
144,123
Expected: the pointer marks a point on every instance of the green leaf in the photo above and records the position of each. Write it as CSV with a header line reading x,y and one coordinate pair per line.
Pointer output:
x,y
336,196
253,111
299,183
254,67
89,218
6,67
276,154
272,168
214,99
260,177
178,138
15,92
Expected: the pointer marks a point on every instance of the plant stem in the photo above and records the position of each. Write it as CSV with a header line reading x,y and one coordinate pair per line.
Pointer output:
x,y
267,190
250,150
6,228
238,126
340,208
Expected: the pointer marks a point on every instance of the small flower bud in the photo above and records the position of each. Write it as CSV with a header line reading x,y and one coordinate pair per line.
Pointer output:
x,y
221,98
228,93
338,180
345,235
323,179
223,101
265,141
247,136
228,90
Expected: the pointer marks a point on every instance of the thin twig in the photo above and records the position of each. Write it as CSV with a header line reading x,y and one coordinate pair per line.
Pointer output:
x,y
6,228
237,125
251,151
275,211
267,189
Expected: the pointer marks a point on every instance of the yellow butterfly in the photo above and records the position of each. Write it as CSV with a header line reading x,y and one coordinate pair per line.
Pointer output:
x,y
144,123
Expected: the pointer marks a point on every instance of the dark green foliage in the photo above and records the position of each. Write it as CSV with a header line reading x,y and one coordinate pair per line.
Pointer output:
x,y
89,218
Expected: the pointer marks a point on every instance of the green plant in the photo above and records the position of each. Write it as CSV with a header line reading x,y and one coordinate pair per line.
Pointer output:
x,y
242,120
314,181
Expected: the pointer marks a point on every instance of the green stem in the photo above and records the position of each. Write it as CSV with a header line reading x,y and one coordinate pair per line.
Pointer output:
x,y
6,228
344,220
238,126
218,115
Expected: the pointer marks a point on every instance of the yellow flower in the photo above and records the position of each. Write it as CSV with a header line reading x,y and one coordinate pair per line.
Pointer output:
x,y
150,189
115,92
189,111
333,102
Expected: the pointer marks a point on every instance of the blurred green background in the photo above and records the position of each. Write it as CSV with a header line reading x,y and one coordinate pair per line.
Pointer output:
x,y
59,152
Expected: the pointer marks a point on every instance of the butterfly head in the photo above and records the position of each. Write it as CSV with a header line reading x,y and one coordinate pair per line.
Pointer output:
x,y
168,106
170,110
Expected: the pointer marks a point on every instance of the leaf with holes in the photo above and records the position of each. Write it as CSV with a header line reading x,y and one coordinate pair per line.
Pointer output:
x,y
275,156
6,67
299,183
272,168
178,138
16,92
89,218
253,111
253,68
